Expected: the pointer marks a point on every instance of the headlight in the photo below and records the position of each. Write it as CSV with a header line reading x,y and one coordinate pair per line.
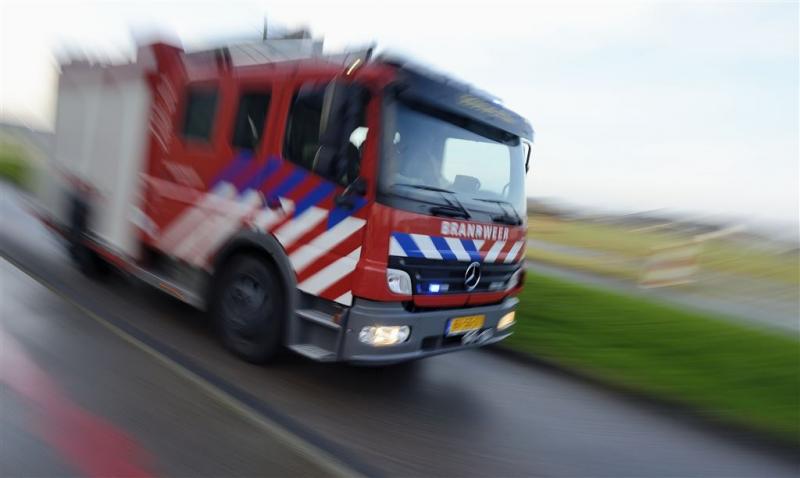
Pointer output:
x,y
506,321
515,280
383,335
398,281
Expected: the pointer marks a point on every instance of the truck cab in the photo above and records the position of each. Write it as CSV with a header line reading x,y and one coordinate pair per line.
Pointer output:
x,y
350,208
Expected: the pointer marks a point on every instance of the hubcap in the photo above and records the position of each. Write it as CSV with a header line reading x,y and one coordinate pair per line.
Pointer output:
x,y
243,303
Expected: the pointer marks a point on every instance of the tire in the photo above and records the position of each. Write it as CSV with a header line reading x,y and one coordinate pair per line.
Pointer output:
x,y
249,308
88,261
85,259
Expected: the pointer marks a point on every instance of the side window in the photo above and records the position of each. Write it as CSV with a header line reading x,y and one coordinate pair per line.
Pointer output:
x,y
250,119
302,130
302,135
201,107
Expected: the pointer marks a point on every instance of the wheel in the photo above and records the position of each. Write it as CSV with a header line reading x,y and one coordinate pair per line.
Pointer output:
x,y
88,261
85,259
249,308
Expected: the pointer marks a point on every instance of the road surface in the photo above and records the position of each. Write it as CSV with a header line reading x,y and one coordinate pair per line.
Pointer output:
x,y
63,413
467,414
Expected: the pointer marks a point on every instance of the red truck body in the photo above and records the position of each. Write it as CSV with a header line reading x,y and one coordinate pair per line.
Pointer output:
x,y
230,168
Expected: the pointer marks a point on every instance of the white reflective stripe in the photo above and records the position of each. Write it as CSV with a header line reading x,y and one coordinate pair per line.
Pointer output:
x,y
395,249
478,244
183,247
512,254
188,221
195,245
330,274
346,298
458,249
225,226
426,247
204,226
267,217
494,251
323,243
294,228
217,226
250,199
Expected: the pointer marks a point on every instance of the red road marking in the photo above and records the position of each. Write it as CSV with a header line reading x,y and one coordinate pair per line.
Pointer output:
x,y
88,442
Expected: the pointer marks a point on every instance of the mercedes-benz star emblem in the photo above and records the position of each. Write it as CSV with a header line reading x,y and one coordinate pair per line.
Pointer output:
x,y
473,276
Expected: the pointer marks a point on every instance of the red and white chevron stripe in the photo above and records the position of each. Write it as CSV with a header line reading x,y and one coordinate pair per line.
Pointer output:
x,y
322,258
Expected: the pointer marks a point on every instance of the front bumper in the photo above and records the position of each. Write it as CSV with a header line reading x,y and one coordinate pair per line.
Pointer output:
x,y
427,331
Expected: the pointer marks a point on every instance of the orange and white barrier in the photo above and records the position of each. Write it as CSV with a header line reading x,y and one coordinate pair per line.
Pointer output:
x,y
671,265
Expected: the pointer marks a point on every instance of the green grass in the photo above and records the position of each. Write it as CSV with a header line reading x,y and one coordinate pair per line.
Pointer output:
x,y
750,262
15,165
730,372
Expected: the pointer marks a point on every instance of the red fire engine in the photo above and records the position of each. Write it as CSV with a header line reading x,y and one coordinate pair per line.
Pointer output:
x,y
348,207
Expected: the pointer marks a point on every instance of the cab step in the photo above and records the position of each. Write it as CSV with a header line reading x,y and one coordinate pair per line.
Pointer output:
x,y
318,317
313,352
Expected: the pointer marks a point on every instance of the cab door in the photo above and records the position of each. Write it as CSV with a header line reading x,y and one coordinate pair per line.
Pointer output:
x,y
322,231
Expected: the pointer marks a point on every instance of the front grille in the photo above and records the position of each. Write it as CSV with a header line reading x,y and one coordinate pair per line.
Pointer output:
x,y
427,274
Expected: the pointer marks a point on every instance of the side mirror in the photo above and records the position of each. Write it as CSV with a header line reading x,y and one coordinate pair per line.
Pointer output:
x,y
528,149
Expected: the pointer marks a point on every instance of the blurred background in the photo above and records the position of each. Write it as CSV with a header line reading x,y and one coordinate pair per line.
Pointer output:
x,y
664,227
670,111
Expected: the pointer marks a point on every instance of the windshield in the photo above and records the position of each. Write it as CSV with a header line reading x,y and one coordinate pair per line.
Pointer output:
x,y
440,164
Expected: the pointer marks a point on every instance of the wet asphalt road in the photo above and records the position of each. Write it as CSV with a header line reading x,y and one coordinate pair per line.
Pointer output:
x,y
80,400
466,414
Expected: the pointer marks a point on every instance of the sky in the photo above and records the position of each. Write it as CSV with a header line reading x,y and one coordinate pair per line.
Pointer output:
x,y
688,107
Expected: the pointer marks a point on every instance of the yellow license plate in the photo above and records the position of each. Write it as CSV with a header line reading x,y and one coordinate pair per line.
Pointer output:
x,y
462,325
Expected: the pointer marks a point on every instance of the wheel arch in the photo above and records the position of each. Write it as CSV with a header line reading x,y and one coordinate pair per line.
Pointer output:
x,y
266,247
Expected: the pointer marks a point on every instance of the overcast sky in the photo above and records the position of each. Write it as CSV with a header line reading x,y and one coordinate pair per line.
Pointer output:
x,y
688,106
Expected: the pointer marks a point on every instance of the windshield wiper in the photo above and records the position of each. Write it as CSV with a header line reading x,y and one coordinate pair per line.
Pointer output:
x,y
449,211
453,208
423,186
506,218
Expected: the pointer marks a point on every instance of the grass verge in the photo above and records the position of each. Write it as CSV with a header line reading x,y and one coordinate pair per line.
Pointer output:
x,y
727,371
14,164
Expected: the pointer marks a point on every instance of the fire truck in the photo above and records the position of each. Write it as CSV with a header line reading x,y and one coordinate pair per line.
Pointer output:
x,y
351,207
